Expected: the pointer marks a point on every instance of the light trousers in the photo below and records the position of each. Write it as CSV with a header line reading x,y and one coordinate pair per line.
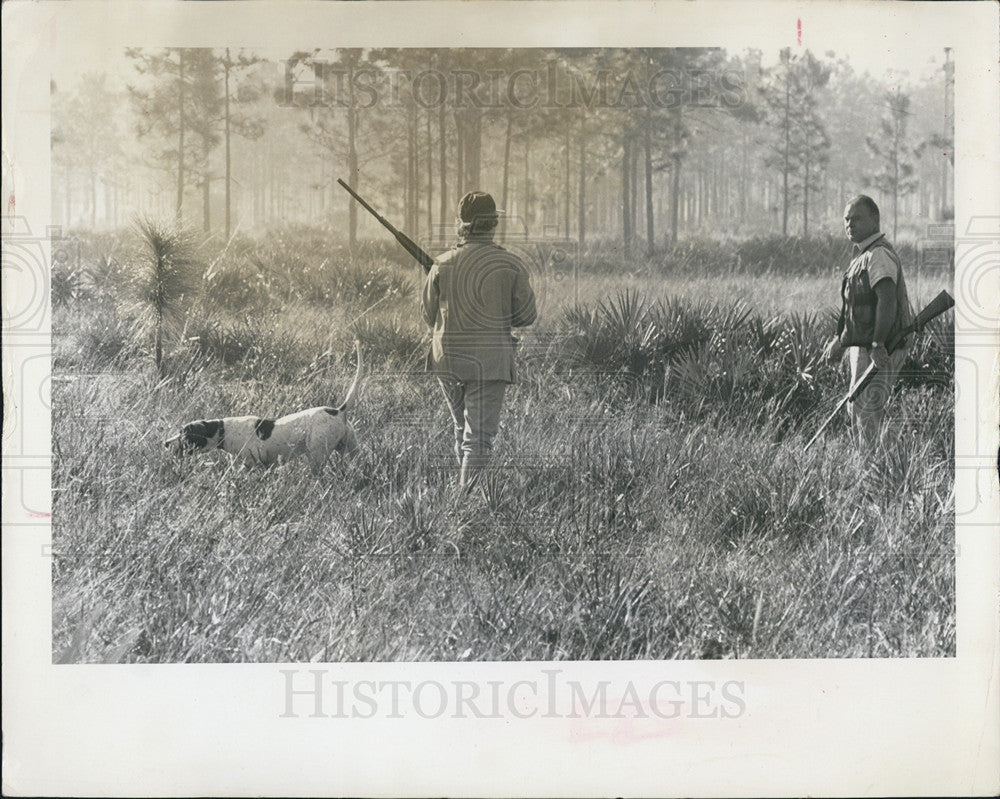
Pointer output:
x,y
475,410
868,410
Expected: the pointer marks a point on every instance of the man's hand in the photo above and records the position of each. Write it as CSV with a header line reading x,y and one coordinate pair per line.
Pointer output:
x,y
880,356
833,351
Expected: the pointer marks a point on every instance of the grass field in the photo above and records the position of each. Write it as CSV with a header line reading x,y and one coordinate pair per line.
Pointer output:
x,y
650,497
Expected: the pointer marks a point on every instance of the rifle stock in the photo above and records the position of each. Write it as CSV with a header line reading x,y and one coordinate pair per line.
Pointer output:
x,y
407,243
941,303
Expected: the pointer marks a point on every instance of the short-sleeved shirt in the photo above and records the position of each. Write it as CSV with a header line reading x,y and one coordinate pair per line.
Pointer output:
x,y
880,265
876,258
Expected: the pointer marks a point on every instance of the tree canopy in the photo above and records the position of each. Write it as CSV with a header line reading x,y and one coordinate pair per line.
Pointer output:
x,y
640,146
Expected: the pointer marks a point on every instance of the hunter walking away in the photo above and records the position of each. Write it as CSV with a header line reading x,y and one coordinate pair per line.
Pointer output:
x,y
502,354
472,297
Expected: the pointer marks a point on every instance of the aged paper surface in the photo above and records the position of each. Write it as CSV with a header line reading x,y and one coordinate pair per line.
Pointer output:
x,y
735,727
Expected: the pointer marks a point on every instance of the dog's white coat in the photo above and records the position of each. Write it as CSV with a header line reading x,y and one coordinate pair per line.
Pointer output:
x,y
314,432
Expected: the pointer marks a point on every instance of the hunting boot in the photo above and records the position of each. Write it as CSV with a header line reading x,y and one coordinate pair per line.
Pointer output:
x,y
472,467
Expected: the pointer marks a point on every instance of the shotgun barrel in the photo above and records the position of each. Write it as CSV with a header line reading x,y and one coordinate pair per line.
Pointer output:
x,y
408,244
941,303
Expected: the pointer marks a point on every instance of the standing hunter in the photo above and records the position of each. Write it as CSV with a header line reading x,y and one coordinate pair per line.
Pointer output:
x,y
874,308
473,295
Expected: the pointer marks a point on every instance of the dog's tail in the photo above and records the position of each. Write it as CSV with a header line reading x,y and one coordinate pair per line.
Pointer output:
x,y
346,404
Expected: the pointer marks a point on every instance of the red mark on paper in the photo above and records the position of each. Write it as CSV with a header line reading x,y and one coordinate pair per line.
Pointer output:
x,y
624,730
798,26
34,515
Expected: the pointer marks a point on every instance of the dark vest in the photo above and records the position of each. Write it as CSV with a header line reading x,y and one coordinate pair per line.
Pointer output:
x,y
856,326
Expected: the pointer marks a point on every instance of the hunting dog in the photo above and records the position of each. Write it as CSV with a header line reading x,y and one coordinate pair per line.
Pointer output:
x,y
316,433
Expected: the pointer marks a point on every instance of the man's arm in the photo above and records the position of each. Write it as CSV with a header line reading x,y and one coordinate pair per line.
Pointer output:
x,y
885,314
882,276
430,296
885,310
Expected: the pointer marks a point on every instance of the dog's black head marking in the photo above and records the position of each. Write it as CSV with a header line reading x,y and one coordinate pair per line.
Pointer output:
x,y
332,411
263,428
201,434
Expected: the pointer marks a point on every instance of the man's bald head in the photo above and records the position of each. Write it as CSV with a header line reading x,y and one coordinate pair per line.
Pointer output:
x,y
861,218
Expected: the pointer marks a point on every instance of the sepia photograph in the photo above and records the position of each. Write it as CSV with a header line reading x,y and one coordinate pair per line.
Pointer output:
x,y
500,399
502,354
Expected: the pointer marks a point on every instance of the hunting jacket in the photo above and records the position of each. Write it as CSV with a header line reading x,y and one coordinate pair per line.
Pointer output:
x,y
876,259
472,297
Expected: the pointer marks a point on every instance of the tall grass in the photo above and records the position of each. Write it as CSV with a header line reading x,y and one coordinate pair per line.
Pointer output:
x,y
649,497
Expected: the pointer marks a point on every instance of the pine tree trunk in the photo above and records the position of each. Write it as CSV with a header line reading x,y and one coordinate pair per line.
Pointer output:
x,y
410,188
430,175
785,166
566,185
895,180
415,174
716,196
271,193
633,172
675,178
626,193
581,203
700,198
648,147
180,136
473,150
352,170
506,170
258,191
226,66
443,166
744,182
459,162
69,197
805,201
206,195
527,184
675,199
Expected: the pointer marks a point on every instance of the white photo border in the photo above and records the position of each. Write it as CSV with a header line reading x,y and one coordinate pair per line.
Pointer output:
x,y
833,727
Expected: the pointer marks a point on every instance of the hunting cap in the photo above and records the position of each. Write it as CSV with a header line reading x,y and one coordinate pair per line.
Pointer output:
x,y
476,205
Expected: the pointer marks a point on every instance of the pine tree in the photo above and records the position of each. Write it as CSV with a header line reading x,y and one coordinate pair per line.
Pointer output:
x,y
897,177
86,137
797,141
187,93
165,276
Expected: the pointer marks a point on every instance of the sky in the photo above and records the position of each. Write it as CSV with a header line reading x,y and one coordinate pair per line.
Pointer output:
x,y
888,40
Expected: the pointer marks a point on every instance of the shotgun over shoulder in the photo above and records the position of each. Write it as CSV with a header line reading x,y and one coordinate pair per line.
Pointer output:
x,y
408,244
